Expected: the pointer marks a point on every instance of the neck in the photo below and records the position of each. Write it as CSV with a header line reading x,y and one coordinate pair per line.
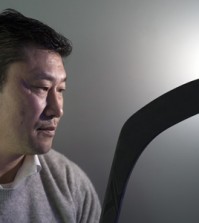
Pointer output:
x,y
9,167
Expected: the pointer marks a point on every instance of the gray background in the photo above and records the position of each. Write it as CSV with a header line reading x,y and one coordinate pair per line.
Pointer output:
x,y
127,53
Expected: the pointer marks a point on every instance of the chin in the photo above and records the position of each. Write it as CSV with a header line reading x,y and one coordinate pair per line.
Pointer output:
x,y
40,149
40,152
43,150
39,146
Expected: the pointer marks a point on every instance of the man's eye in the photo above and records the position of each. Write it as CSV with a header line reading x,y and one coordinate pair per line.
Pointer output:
x,y
44,88
41,89
60,90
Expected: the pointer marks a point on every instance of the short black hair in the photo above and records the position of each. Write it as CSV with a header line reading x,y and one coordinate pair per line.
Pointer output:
x,y
18,32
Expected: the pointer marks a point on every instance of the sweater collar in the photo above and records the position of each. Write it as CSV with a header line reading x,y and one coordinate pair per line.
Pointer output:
x,y
30,166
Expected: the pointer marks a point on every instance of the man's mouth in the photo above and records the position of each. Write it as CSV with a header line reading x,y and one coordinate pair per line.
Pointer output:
x,y
47,130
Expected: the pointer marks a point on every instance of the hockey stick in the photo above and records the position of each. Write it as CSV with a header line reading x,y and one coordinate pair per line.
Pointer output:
x,y
138,131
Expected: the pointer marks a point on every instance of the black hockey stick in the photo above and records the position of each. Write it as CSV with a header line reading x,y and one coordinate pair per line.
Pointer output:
x,y
138,131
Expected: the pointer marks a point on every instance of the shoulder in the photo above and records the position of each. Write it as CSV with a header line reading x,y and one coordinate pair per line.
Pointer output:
x,y
56,160
63,169
57,163
70,178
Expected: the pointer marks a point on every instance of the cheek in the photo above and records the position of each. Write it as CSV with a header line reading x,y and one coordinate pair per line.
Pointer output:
x,y
31,108
31,101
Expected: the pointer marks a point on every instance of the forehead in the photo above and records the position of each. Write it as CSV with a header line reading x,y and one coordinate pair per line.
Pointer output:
x,y
44,64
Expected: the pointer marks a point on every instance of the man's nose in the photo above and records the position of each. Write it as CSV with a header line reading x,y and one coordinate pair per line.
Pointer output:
x,y
54,106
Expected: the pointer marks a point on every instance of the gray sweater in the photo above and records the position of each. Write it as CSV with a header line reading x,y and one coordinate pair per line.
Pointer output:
x,y
60,192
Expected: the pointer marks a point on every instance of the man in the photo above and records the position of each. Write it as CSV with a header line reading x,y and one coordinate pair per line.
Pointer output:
x,y
37,184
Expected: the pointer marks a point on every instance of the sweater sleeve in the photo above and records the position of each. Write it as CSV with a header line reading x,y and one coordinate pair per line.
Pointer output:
x,y
86,199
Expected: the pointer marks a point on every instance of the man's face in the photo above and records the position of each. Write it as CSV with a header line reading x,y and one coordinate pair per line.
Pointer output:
x,y
31,103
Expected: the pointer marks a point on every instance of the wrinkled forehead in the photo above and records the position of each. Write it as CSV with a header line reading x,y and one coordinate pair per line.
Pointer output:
x,y
40,64
31,52
38,58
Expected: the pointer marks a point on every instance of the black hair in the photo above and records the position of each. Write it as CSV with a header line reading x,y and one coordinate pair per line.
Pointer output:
x,y
18,32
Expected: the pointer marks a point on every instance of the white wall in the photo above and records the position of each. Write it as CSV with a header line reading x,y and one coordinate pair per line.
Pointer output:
x,y
127,53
